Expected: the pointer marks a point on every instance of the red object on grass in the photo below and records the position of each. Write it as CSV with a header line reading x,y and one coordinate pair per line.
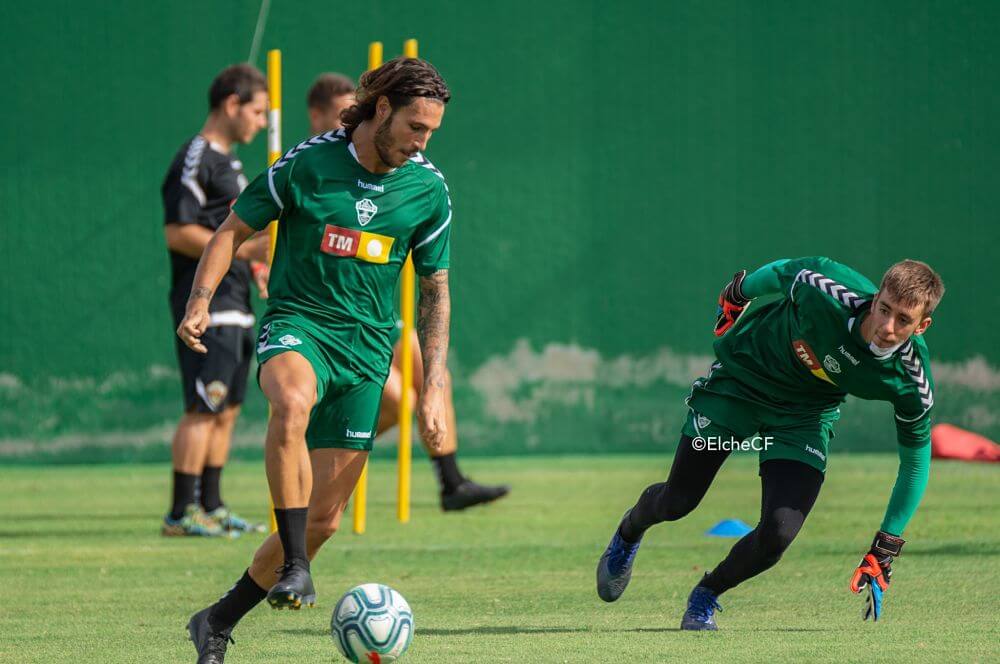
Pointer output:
x,y
951,442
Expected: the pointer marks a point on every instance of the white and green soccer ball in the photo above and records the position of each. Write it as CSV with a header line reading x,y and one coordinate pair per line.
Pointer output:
x,y
372,624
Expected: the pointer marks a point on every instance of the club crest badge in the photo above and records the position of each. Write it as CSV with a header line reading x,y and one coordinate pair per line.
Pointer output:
x,y
216,391
831,364
289,340
366,210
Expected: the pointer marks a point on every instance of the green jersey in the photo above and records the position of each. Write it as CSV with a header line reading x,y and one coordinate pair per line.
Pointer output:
x,y
343,236
804,353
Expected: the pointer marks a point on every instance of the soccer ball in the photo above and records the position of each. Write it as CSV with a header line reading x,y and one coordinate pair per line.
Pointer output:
x,y
372,623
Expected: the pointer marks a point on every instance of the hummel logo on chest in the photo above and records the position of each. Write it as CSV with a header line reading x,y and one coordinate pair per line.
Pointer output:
x,y
371,187
843,351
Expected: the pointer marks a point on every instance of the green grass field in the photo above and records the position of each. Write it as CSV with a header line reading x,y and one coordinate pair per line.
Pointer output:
x,y
87,578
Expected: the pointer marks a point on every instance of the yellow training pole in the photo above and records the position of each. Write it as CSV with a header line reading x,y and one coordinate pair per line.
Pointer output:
x,y
361,490
273,154
405,453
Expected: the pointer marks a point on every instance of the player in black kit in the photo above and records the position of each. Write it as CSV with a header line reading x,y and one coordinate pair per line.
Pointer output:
x,y
203,181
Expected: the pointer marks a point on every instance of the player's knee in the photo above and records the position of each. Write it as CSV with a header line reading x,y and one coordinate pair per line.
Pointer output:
x,y
226,418
196,418
291,408
776,533
674,505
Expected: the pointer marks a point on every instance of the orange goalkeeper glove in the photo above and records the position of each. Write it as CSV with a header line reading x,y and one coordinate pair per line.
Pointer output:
x,y
875,571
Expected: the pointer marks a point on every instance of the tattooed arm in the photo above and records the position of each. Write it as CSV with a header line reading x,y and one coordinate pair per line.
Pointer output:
x,y
215,262
432,329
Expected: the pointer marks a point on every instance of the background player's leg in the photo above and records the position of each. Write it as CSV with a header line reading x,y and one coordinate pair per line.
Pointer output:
x,y
690,476
188,450
210,497
392,394
788,492
450,445
457,491
289,383
201,442
216,454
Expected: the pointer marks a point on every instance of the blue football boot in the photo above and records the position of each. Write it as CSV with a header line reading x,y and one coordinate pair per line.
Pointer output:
x,y
614,569
701,606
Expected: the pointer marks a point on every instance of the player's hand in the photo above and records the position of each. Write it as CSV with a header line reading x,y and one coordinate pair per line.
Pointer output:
x,y
191,329
875,571
431,418
732,303
261,274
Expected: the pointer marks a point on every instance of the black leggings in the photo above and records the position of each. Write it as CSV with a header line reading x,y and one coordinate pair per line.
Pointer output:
x,y
788,492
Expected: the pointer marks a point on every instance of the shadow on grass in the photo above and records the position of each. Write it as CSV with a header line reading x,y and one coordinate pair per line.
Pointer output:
x,y
496,630
67,516
61,534
956,549
499,630
486,630
566,630
781,629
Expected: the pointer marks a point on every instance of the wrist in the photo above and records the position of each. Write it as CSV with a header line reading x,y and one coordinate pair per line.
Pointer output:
x,y
887,545
736,289
433,385
199,298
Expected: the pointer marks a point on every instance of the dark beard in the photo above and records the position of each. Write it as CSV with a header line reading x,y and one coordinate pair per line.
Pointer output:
x,y
383,142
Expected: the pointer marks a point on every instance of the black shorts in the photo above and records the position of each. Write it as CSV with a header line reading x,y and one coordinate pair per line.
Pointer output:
x,y
217,379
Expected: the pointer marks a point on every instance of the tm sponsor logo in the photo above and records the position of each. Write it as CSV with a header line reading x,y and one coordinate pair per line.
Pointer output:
x,y
360,435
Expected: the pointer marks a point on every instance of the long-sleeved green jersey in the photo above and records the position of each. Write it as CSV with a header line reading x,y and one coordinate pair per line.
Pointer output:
x,y
804,353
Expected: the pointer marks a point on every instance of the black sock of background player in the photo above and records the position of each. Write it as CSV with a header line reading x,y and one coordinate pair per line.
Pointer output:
x,y
184,487
211,496
292,531
449,477
236,603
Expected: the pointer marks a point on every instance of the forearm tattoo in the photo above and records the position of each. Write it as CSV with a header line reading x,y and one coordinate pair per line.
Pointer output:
x,y
200,293
432,326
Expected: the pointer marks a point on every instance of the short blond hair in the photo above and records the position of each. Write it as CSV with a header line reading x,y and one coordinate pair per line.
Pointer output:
x,y
913,283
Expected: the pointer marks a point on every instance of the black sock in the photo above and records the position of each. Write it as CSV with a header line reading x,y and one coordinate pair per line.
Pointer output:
x,y
292,531
236,603
448,474
184,487
211,496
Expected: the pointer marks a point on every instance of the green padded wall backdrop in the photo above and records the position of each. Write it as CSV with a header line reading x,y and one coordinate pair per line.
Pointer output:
x,y
611,165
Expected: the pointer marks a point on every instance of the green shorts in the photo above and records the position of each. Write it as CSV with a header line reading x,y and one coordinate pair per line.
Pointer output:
x,y
347,401
723,409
